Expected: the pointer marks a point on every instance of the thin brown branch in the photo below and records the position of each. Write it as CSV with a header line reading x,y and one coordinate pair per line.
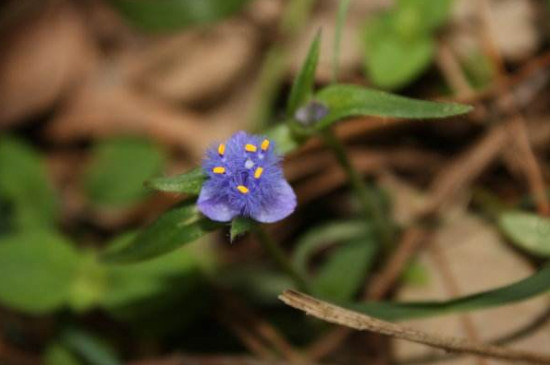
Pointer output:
x,y
334,314
516,126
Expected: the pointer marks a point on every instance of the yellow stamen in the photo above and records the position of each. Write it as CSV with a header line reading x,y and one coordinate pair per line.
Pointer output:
x,y
258,172
221,149
243,189
250,148
218,170
265,145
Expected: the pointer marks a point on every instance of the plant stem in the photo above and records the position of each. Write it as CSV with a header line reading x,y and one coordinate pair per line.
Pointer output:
x,y
281,258
367,198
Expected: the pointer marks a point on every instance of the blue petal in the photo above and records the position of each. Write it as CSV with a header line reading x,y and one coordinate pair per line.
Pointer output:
x,y
213,207
280,206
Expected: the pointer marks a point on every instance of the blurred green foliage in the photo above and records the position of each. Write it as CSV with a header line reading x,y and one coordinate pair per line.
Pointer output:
x,y
400,44
170,15
25,186
37,270
118,169
44,272
348,262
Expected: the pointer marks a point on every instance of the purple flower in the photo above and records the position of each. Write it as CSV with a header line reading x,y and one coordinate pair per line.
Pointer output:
x,y
245,179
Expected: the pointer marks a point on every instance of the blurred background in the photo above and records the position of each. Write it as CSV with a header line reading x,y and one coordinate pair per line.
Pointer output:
x,y
98,96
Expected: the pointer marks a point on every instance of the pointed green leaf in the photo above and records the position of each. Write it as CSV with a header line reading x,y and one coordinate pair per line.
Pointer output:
x,y
167,15
345,270
536,284
173,229
118,169
24,185
344,101
188,183
528,231
302,88
37,271
239,226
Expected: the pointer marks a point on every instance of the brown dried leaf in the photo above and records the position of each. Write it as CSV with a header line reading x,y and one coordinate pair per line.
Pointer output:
x,y
478,260
41,60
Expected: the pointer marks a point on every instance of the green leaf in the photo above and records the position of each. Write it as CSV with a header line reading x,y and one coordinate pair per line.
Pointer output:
x,y
319,238
302,88
188,183
89,348
536,284
344,101
239,226
427,15
169,15
528,231
392,61
173,229
37,271
118,169
345,270
89,283
24,183
400,44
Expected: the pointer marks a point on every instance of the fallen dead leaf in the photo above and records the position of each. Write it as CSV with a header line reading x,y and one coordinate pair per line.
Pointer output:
x,y
41,60
479,260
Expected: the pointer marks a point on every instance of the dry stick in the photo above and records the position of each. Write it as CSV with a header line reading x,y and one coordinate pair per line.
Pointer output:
x,y
461,173
334,314
517,125
450,182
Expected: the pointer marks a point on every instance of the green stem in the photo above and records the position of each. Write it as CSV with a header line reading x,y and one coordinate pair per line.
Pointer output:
x,y
367,198
281,258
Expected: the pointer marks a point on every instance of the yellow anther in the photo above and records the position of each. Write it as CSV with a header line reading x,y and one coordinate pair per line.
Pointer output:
x,y
218,170
243,189
265,144
250,148
221,149
258,172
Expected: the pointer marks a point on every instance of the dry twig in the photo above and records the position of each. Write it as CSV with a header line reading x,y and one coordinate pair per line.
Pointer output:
x,y
334,314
